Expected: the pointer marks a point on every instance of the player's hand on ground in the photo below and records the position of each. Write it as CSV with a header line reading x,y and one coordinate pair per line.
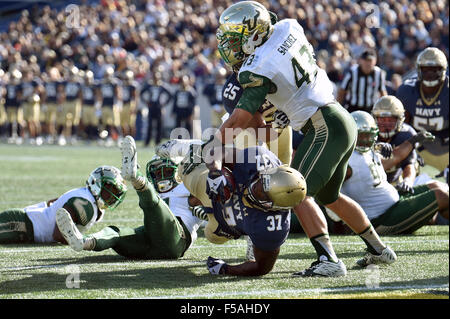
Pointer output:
x,y
216,266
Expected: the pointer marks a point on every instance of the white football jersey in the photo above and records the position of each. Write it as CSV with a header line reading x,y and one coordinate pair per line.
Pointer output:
x,y
179,206
368,185
44,220
287,59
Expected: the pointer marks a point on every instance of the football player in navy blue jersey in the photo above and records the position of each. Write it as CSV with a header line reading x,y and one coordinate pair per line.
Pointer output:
x,y
213,92
155,96
13,104
110,110
426,102
49,107
184,102
89,116
259,205
31,109
130,100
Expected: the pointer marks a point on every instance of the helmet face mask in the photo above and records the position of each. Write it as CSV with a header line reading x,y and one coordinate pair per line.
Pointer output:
x,y
367,131
162,173
107,186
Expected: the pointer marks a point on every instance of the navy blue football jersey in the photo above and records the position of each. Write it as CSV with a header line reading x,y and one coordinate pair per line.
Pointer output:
x,y
267,230
108,93
88,93
50,91
430,115
405,134
184,102
232,92
12,95
213,92
155,96
72,90
28,88
128,91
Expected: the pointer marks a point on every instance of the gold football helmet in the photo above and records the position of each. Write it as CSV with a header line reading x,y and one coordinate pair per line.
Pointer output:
x,y
431,57
243,27
389,114
282,187
367,130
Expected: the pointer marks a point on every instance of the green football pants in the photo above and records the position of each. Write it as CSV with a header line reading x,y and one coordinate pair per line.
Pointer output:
x,y
15,227
163,236
411,212
322,157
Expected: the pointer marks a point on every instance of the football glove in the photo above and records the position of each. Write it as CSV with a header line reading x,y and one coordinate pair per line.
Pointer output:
x,y
406,186
216,266
421,137
215,185
194,159
385,149
280,120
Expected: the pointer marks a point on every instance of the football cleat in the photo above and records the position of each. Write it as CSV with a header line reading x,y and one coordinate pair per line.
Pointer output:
x,y
387,256
249,253
323,268
69,230
129,158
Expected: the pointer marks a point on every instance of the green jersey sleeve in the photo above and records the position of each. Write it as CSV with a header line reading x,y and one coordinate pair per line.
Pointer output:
x,y
256,87
83,209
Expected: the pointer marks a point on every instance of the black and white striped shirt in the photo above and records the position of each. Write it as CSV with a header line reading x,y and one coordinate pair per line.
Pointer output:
x,y
362,91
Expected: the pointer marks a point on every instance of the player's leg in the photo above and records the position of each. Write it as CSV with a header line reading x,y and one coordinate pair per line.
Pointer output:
x,y
167,236
411,212
15,227
438,161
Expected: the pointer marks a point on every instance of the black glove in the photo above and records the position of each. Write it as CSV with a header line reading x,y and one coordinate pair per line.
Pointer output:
x,y
385,149
406,186
215,186
216,266
419,138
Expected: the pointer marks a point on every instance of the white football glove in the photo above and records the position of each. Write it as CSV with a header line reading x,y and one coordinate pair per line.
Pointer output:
x,y
280,120
216,266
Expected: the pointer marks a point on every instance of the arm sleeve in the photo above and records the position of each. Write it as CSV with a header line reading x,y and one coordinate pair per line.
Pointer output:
x,y
256,87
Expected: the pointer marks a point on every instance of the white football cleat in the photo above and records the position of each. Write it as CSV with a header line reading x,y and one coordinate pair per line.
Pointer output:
x,y
387,256
69,230
249,253
323,268
175,149
129,158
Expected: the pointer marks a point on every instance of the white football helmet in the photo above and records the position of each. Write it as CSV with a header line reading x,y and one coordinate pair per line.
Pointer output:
x,y
283,188
432,57
389,114
107,186
367,131
243,27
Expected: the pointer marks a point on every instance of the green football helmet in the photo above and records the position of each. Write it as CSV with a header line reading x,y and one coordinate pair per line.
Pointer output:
x,y
107,186
243,27
162,173
367,131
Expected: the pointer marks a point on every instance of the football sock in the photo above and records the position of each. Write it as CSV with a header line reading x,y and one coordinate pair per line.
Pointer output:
x,y
139,182
104,239
372,240
322,245
199,212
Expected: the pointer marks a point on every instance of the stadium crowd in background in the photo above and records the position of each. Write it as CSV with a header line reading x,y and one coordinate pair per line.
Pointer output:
x,y
175,39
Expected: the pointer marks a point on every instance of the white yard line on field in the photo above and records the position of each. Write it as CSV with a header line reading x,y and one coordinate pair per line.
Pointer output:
x,y
311,291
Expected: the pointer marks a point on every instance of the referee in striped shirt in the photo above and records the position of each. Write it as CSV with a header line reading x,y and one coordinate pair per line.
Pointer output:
x,y
363,84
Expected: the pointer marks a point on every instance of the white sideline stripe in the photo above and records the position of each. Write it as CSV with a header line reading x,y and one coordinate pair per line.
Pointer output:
x,y
316,291
22,250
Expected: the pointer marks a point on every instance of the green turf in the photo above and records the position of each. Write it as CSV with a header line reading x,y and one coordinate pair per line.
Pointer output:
x,y
33,174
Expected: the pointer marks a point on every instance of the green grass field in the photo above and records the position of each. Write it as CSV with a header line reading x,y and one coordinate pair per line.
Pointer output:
x,y
33,174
